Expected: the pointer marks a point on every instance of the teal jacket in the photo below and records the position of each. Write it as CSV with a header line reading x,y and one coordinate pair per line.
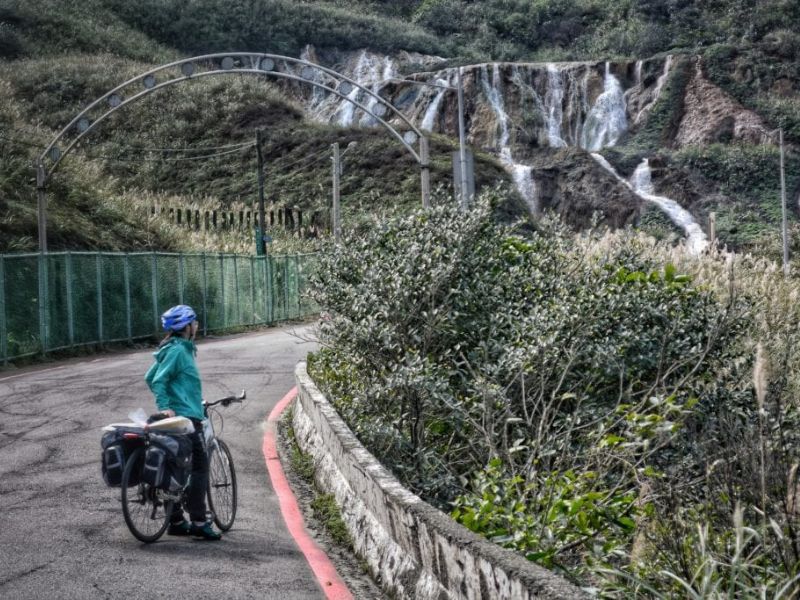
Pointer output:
x,y
175,380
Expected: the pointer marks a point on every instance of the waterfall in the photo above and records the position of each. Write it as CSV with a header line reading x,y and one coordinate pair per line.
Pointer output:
x,y
560,104
642,178
376,80
577,102
433,108
662,79
607,120
523,179
370,71
319,95
641,184
522,174
553,107
495,96
347,110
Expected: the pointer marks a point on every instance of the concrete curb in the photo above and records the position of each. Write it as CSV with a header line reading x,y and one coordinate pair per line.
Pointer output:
x,y
412,549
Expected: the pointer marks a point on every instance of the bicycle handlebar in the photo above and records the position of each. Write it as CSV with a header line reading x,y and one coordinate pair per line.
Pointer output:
x,y
227,400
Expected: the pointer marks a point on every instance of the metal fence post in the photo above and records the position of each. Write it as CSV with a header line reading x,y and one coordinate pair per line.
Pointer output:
x,y
267,290
252,292
238,297
286,287
297,284
99,263
42,302
181,273
222,288
205,293
127,275
3,331
155,292
70,311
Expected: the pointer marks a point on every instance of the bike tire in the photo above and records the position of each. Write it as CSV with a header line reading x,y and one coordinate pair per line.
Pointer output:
x,y
222,490
146,516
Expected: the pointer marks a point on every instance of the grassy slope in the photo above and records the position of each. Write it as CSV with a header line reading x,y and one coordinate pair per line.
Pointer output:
x,y
86,208
59,56
62,54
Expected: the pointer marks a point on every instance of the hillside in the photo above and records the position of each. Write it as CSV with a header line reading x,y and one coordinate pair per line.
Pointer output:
x,y
59,56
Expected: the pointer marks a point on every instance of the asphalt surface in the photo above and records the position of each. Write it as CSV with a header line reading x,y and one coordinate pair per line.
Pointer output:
x,y
62,534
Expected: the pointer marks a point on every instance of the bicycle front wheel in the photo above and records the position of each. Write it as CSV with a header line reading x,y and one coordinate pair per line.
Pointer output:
x,y
222,494
146,515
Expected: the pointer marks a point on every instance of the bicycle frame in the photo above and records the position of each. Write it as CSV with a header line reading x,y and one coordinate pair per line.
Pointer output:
x,y
147,508
208,426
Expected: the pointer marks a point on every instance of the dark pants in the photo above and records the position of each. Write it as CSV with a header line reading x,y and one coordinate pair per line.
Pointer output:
x,y
198,484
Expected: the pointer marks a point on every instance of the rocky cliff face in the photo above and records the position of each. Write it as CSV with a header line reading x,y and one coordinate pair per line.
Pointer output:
x,y
527,114
711,116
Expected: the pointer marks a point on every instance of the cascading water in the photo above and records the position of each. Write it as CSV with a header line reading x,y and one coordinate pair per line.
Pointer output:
x,y
377,79
553,106
641,184
371,71
607,119
433,108
522,174
662,79
560,98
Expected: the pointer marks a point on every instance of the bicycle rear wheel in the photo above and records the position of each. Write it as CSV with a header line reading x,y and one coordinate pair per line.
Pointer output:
x,y
222,493
146,515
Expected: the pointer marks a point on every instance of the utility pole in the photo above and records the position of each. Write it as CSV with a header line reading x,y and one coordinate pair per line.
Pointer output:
x,y
261,230
335,215
461,147
783,208
41,197
424,159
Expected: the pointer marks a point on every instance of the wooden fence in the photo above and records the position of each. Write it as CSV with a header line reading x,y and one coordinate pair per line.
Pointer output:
x,y
240,216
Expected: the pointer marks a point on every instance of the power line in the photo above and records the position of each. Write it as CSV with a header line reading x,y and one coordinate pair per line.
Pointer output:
x,y
144,149
163,159
190,149
317,156
305,161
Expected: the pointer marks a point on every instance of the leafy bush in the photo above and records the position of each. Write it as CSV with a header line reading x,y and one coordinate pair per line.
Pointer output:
x,y
560,396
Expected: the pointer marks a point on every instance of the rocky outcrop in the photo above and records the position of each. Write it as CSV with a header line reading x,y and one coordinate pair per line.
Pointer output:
x,y
573,185
526,114
712,116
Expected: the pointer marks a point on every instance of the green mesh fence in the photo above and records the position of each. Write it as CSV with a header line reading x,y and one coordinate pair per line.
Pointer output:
x,y
62,300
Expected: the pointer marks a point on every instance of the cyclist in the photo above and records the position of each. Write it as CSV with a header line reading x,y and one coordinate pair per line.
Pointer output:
x,y
175,381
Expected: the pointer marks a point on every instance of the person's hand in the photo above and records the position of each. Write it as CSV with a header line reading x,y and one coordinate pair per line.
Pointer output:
x,y
169,412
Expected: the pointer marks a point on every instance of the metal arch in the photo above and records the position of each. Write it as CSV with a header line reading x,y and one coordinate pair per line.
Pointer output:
x,y
254,57
72,144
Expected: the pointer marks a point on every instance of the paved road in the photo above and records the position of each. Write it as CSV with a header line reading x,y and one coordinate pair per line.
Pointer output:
x,y
61,530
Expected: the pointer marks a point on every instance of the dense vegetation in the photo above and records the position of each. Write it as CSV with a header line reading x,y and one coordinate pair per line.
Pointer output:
x,y
589,402
586,401
60,55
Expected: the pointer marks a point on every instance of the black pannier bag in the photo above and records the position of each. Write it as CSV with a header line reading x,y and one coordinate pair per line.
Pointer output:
x,y
168,461
115,451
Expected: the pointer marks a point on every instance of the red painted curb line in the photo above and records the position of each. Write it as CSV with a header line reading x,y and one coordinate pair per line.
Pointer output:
x,y
325,572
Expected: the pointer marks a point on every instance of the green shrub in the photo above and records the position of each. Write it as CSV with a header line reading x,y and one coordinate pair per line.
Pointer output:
x,y
558,395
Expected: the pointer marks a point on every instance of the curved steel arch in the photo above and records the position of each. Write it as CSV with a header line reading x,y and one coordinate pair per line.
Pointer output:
x,y
259,64
83,125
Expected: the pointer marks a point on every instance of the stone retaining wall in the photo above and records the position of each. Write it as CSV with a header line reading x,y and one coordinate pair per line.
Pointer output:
x,y
412,549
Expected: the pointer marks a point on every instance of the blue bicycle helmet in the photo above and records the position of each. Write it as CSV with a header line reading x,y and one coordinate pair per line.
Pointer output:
x,y
178,317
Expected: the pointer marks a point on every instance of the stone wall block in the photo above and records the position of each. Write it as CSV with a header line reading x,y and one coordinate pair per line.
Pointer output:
x,y
412,549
